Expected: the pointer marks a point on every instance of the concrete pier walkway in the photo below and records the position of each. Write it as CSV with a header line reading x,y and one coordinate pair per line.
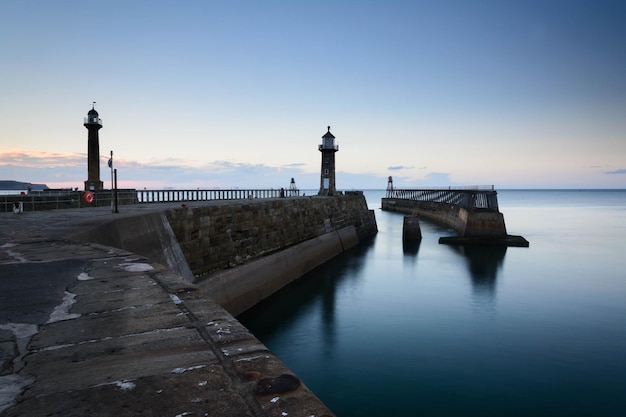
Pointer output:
x,y
91,330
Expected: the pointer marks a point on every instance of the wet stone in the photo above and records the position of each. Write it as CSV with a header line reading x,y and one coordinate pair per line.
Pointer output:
x,y
276,385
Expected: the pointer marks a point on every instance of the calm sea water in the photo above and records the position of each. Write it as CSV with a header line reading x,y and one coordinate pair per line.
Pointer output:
x,y
435,330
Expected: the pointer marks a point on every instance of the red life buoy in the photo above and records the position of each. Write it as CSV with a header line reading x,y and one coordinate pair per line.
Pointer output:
x,y
88,197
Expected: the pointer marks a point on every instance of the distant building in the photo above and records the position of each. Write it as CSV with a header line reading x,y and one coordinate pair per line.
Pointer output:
x,y
327,174
8,187
93,123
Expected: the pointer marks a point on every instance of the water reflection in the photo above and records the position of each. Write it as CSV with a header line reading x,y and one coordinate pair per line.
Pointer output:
x,y
484,264
302,297
411,247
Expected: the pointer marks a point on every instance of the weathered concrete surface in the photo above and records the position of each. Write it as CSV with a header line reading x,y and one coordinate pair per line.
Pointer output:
x,y
149,234
126,336
240,288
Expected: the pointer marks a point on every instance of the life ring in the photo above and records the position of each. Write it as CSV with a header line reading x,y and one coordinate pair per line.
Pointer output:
x,y
88,197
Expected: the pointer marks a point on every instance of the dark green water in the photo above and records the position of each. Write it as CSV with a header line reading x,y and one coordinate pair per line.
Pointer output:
x,y
434,330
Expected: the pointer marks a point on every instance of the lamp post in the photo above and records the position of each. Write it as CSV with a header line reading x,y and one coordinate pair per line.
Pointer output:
x,y
113,185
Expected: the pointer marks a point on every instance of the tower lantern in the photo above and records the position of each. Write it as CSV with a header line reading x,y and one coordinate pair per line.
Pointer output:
x,y
93,123
327,175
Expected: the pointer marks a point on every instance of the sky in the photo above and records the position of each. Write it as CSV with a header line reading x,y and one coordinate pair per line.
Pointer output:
x,y
237,94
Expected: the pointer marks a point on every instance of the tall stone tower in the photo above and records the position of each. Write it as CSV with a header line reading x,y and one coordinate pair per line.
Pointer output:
x,y
327,175
93,123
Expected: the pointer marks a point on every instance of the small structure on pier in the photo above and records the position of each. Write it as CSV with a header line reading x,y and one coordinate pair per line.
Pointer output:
x,y
293,190
327,174
93,123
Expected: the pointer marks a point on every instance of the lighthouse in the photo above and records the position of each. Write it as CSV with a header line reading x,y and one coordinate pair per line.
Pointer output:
x,y
327,175
93,123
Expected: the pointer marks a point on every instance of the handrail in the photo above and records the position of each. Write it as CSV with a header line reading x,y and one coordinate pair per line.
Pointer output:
x,y
456,188
467,198
174,196
60,199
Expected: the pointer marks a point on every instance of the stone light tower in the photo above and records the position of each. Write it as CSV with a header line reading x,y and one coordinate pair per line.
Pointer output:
x,y
93,123
327,175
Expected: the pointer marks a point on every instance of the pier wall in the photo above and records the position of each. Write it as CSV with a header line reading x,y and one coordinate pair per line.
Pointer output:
x,y
223,235
467,223
271,241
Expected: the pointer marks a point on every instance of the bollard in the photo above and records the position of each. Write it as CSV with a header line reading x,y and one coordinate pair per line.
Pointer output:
x,y
411,228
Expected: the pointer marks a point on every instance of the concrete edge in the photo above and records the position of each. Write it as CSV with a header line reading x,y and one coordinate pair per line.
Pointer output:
x,y
146,234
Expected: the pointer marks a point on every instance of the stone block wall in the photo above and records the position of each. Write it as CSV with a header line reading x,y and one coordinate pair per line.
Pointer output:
x,y
230,233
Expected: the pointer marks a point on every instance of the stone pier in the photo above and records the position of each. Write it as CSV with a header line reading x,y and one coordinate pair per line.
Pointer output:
x,y
472,213
132,313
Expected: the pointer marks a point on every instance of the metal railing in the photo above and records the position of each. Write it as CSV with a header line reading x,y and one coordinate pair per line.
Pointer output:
x,y
174,196
62,199
92,121
470,198
32,202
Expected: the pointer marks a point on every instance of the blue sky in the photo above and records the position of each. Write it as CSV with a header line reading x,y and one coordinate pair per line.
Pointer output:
x,y
519,94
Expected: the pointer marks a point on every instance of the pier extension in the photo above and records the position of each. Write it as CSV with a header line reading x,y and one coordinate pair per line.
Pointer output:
x,y
472,212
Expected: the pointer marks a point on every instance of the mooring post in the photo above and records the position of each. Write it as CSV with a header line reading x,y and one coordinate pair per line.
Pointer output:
x,y
411,228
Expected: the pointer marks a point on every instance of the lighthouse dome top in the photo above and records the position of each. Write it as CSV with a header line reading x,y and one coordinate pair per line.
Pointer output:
x,y
328,134
93,119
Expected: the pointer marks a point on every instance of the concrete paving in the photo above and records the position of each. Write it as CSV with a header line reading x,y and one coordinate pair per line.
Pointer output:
x,y
90,330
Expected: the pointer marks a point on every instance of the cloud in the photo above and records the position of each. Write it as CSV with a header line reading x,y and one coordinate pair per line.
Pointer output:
x,y
617,171
70,170
399,167
403,167
41,159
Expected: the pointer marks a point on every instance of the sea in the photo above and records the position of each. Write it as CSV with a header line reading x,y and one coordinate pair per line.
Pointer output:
x,y
424,329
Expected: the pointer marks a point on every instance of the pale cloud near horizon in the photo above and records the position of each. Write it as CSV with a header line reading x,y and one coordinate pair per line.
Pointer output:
x,y
399,167
37,159
59,170
69,170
